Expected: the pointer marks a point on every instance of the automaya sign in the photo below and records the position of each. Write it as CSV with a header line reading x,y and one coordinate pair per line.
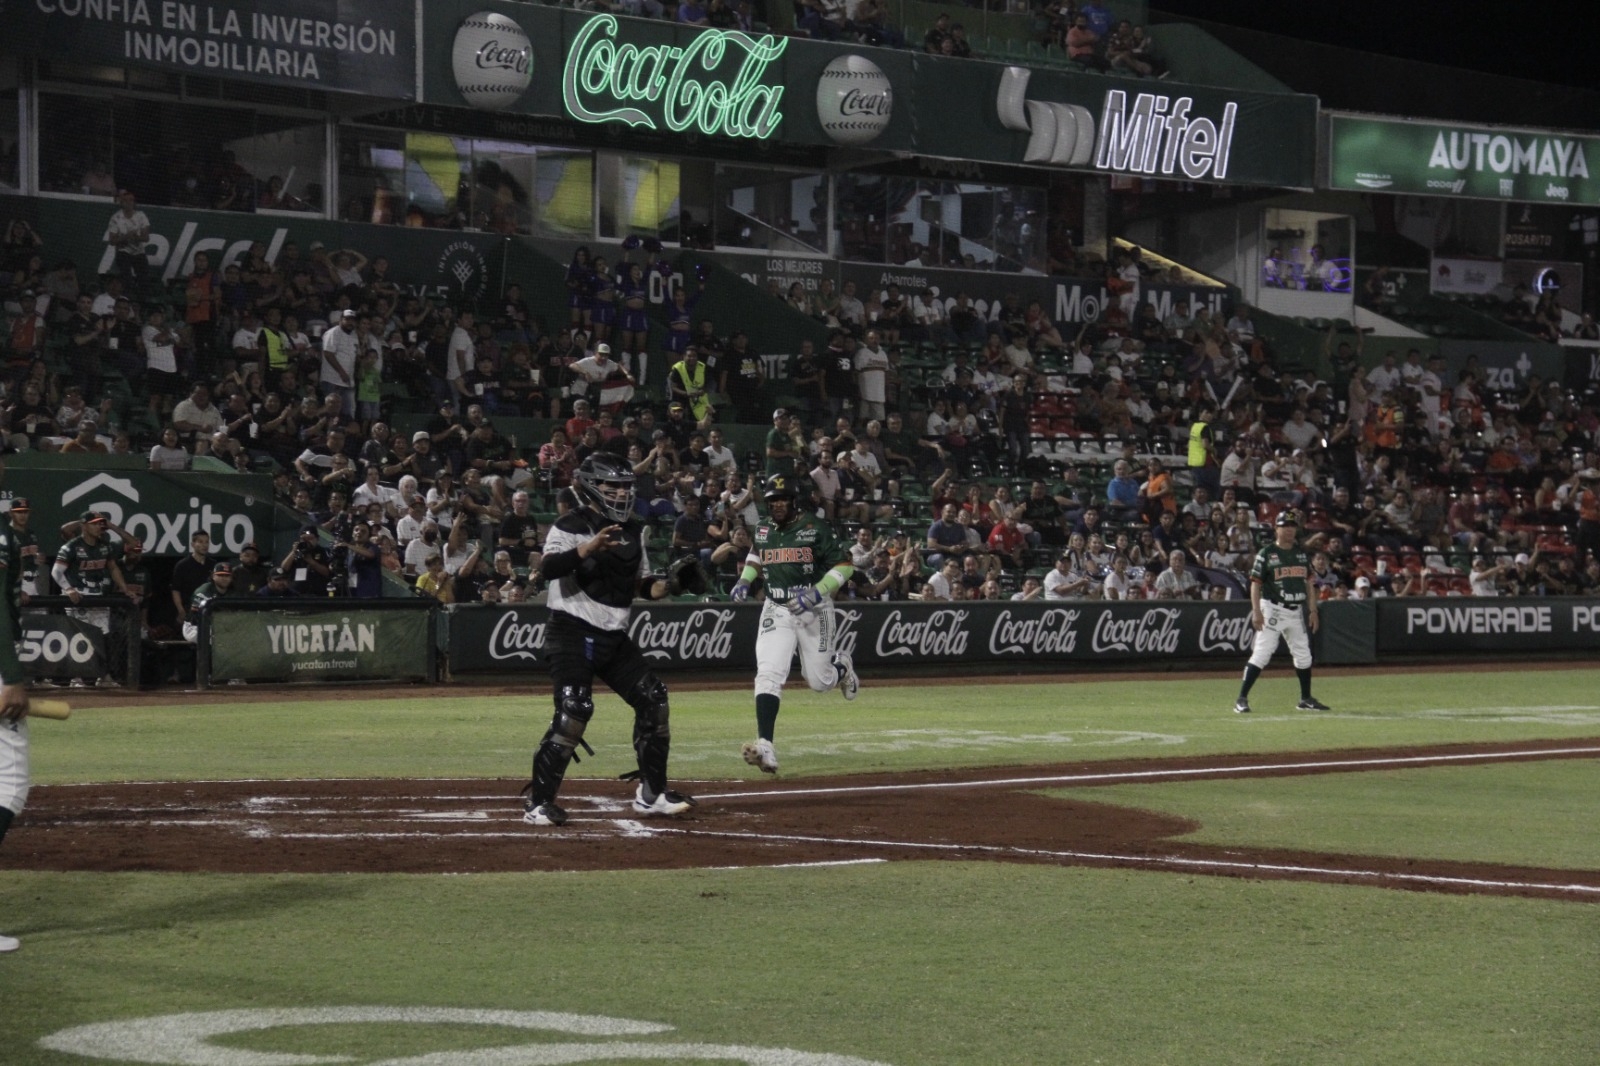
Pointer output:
x,y
719,84
1392,155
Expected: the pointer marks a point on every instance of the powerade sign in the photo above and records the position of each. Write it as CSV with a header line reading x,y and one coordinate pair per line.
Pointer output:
x,y
342,45
484,638
1457,625
1399,156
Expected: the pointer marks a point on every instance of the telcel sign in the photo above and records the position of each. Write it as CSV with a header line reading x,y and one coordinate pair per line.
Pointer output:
x,y
713,85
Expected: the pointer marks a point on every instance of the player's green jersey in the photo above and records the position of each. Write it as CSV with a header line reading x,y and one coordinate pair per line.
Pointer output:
x,y
88,565
799,553
25,572
1284,573
202,596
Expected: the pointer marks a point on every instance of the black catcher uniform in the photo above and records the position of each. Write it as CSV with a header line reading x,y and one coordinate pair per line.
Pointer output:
x,y
594,565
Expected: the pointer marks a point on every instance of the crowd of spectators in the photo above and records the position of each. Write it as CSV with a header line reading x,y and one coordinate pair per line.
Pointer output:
x,y
968,450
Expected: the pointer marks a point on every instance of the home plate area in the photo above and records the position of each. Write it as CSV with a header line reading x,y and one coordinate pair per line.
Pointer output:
x,y
469,826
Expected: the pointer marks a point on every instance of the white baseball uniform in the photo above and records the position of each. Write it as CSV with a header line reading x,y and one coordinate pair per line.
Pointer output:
x,y
1287,624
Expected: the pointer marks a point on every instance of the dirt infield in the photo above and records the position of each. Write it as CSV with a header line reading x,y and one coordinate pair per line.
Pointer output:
x,y
458,826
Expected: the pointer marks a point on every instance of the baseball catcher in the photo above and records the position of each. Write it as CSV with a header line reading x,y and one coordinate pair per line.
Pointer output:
x,y
803,565
1281,603
595,564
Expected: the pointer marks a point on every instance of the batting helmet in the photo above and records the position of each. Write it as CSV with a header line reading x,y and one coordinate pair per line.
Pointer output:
x,y
1289,517
780,487
605,484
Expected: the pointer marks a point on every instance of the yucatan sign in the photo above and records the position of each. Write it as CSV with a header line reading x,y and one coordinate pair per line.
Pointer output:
x,y
718,83
1430,159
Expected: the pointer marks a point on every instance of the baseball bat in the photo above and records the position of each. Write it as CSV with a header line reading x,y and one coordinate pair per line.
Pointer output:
x,y
60,710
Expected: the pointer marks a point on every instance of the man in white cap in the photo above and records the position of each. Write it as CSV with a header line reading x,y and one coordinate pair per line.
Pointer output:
x,y
339,355
600,371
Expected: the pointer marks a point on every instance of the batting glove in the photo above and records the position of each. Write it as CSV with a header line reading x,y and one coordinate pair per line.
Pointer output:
x,y
740,592
803,598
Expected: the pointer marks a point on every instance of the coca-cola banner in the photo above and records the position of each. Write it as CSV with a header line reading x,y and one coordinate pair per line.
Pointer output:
x,y
486,638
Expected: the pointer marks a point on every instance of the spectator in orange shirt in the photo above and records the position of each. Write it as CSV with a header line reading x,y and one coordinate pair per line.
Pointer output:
x,y
1083,45
1587,538
1158,494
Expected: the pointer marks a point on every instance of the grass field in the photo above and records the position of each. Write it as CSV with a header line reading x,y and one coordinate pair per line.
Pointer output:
x,y
902,963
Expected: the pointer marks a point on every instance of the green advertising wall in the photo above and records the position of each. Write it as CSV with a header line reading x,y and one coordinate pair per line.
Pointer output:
x,y
343,45
319,642
642,78
440,264
161,508
1367,154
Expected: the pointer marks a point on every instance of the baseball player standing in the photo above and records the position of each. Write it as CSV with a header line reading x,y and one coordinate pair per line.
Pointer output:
x,y
13,694
790,550
594,563
1282,605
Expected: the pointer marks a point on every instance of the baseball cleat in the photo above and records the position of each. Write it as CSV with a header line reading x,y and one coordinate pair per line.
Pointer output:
x,y
761,753
1311,703
9,943
544,814
1241,706
848,683
667,802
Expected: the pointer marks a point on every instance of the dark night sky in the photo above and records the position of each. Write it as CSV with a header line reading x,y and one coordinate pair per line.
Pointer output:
x,y
1544,41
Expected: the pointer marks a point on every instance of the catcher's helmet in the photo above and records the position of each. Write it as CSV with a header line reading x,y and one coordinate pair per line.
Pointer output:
x,y
780,487
1289,517
605,484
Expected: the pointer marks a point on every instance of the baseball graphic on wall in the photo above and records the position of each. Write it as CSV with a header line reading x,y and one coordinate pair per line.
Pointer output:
x,y
492,59
854,100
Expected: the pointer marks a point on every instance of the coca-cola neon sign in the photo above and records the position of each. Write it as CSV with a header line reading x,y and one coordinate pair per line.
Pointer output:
x,y
713,85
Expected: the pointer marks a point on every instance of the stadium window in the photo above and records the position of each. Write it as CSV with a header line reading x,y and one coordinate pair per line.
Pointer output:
x,y
861,206
436,180
527,188
888,219
637,196
771,209
10,128
1307,251
218,158
372,176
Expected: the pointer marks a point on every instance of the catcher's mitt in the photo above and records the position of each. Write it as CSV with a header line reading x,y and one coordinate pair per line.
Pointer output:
x,y
686,575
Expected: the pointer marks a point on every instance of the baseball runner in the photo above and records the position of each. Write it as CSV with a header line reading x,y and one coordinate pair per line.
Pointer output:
x,y
595,564
1282,604
13,694
790,550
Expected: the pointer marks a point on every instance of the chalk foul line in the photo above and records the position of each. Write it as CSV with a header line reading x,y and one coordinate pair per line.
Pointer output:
x,y
1116,777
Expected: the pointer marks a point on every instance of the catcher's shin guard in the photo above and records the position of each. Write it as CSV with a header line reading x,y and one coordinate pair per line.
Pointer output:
x,y
652,736
574,708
